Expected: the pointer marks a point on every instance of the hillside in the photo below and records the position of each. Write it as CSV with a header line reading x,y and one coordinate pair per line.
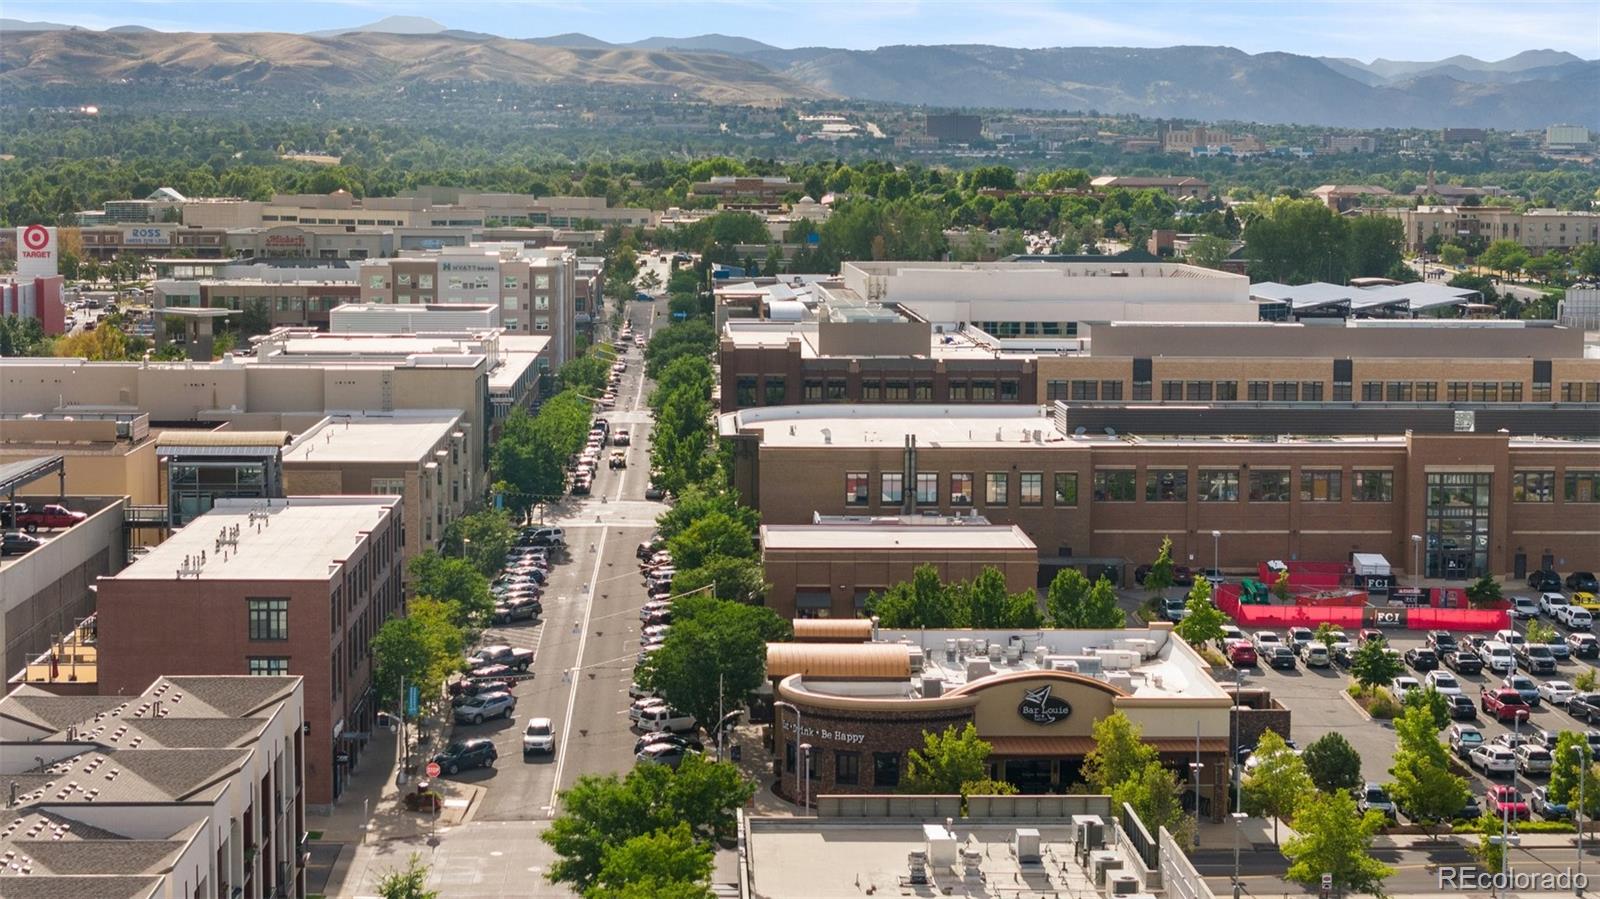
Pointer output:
x,y
373,60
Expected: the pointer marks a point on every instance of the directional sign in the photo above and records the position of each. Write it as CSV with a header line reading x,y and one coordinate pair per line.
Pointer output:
x,y
433,769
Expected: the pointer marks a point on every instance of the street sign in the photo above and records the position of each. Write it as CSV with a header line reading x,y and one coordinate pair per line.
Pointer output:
x,y
1327,886
412,697
433,769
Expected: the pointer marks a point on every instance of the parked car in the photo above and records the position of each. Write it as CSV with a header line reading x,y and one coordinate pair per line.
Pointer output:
x,y
1524,608
16,543
1461,707
1583,582
49,517
668,754
665,718
1536,657
1503,704
1556,692
1174,608
641,704
1544,580
539,736
1583,646
1493,760
1214,576
484,706
1585,707
1533,759
475,753
1550,601
1575,617
1560,650
1463,661
1463,738
1264,639
1497,656
502,654
1315,655
1299,637
1510,637
1421,659
1442,682
1505,802
520,610
1230,633
466,688
653,492
1401,686
1526,687
649,547
651,739
1441,642
1242,654
546,537
1539,802
1374,798
1280,656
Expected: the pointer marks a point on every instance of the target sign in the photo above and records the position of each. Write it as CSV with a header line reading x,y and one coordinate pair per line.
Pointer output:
x,y
35,237
36,251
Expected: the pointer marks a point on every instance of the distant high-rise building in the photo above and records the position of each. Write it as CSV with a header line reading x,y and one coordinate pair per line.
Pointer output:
x,y
1566,137
1463,135
954,128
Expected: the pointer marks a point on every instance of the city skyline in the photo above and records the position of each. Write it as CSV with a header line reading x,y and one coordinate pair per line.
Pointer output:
x,y
1424,30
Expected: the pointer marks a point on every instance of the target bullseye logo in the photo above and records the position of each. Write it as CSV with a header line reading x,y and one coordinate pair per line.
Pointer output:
x,y
35,237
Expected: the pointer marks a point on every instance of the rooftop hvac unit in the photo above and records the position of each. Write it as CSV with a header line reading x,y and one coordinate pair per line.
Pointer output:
x,y
972,862
1103,863
1088,833
1014,652
914,655
950,649
1122,680
978,668
980,647
963,647
1041,655
995,651
932,687
1025,846
1122,885
917,867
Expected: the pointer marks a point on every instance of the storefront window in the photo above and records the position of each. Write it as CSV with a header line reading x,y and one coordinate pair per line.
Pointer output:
x,y
1456,524
961,489
846,767
885,769
1166,486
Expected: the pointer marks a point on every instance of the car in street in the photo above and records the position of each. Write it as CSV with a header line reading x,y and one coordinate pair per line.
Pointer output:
x,y
1315,655
1374,798
1536,658
1556,692
622,437
1242,654
1463,738
1505,802
1460,707
16,543
1442,682
1550,601
1533,759
1583,646
480,708
539,736
1523,608
668,754
654,492
1583,582
1544,580
1421,659
459,756
1503,704
1493,760
1540,803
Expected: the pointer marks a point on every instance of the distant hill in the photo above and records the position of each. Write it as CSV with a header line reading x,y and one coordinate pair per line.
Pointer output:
x,y
20,25
388,25
1525,65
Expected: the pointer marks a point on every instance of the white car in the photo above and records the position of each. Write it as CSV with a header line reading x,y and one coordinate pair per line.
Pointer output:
x,y
1492,760
1550,604
1314,655
540,736
642,705
1496,656
664,718
1442,682
1267,640
1556,692
1402,686
1510,637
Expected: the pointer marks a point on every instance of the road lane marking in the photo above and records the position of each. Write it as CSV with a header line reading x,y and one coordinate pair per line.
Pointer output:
x,y
572,690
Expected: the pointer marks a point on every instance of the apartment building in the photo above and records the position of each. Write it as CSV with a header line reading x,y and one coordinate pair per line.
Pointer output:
x,y
1203,141
1178,188
1538,230
418,456
274,587
428,207
293,303
1484,501
763,190
184,787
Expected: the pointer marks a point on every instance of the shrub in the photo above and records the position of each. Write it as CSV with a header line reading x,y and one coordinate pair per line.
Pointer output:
x,y
1382,704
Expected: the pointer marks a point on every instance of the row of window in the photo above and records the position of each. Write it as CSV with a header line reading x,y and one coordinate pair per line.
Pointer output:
x,y
1114,485
1540,486
1029,329
847,767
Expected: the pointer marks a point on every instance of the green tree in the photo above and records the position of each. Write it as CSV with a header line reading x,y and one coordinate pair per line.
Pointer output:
x,y
1280,587
1372,665
1156,796
1278,783
421,649
923,601
1119,751
410,882
988,787
1489,851
1483,591
1208,251
1572,755
1327,635
670,858
736,580
1433,703
714,657
699,501
1333,838
1375,246
1452,255
482,538
990,606
1074,603
452,580
1160,576
1332,763
714,534
1423,783
601,812
1204,620
946,761
1296,241
1504,256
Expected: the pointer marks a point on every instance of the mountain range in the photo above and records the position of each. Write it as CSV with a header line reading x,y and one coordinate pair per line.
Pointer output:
x,y
1529,90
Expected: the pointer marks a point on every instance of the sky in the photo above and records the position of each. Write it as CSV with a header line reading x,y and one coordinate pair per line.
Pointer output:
x,y
1364,29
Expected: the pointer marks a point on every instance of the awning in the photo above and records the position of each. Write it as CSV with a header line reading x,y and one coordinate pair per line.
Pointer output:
x,y
1044,747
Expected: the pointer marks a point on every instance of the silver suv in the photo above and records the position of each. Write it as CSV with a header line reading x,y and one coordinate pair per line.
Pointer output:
x,y
484,706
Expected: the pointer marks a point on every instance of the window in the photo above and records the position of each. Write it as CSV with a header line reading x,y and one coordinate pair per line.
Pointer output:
x,y
508,282
871,391
1310,391
812,391
403,279
886,769
1197,390
892,488
542,282
1066,488
1511,392
541,301
1269,486
995,484
846,767
1425,391
388,486
269,619
1055,390
959,392
1010,390
508,302
1397,392
1171,390
922,391
425,282
1219,485
375,282
855,488
927,488
838,390
1257,391
961,488
1113,485
1583,487
1533,486
1485,392
897,390
1286,391
744,391
540,323
1227,390
1341,391
1456,391
1372,487
268,665
1085,390
1141,390
777,390
1372,391
1541,391
1320,487
1030,488
984,391
1111,390
1166,485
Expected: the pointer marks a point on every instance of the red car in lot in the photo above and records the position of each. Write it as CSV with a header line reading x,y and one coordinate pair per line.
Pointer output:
x,y
1506,802
1504,704
1241,654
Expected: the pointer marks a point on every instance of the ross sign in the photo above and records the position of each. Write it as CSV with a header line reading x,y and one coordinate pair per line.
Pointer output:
x,y
1039,707
146,237
433,769
36,251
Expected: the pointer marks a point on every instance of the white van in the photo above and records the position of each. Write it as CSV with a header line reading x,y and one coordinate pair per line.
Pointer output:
x,y
1576,618
1497,656
663,718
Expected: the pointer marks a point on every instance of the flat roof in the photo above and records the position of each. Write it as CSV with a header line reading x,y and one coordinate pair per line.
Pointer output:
x,y
894,536
299,538
404,437
1104,268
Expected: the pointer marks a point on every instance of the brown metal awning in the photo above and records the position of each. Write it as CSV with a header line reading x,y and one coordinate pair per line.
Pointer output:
x,y
859,629
1046,747
839,660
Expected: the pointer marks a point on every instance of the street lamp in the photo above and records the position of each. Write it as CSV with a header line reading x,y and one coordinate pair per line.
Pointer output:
x,y
1194,775
1416,560
784,703
1216,552
1583,775
1238,825
805,773
465,542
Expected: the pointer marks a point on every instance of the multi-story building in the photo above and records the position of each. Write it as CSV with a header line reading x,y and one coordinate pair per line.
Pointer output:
x,y
1203,141
1566,137
429,207
1178,188
292,303
1344,197
182,787
294,586
1539,230
104,242
1348,143
1463,135
37,298
1087,492
953,128
765,190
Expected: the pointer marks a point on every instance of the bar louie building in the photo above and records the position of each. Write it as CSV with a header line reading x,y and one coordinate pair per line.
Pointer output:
x,y
851,711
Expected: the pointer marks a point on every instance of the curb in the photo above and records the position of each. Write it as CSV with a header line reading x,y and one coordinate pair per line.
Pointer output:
x,y
1355,705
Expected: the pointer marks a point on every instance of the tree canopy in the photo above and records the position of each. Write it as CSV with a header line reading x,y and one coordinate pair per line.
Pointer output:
x,y
926,601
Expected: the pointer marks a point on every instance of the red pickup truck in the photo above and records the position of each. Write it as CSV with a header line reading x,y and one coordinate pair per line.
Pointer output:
x,y
49,517
1503,703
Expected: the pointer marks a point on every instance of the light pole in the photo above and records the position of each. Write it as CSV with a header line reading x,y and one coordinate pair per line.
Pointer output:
x,y
1583,775
1238,825
465,542
1416,560
805,773
784,703
1194,775
1216,552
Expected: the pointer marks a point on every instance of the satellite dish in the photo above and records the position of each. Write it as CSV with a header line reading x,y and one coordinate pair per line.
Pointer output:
x,y
1110,431
1079,431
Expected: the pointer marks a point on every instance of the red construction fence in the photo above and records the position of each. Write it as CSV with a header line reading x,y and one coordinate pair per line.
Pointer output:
x,y
1251,616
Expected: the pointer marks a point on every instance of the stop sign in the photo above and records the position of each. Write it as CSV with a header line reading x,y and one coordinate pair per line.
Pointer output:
x,y
433,769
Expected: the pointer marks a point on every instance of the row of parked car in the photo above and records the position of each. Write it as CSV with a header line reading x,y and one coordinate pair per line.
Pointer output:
x,y
20,521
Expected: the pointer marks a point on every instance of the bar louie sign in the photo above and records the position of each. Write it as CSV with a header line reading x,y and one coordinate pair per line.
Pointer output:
x,y
823,733
1039,707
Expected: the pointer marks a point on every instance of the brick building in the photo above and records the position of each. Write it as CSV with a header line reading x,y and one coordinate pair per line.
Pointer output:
x,y
293,586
